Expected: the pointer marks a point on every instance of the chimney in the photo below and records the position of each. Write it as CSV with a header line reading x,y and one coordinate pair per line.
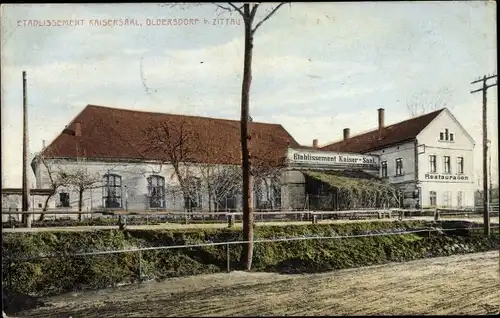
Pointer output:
x,y
347,133
315,143
381,118
78,129
43,144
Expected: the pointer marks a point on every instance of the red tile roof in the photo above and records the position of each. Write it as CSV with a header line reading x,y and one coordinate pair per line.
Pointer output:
x,y
113,133
391,135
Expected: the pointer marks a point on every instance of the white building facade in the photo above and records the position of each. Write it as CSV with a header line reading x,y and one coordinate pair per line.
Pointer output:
x,y
445,166
433,166
139,186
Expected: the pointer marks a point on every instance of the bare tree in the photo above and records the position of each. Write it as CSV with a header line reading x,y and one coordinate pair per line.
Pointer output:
x,y
55,180
267,170
425,101
248,12
80,181
222,181
178,145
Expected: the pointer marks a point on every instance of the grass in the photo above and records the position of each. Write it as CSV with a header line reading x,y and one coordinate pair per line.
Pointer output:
x,y
45,276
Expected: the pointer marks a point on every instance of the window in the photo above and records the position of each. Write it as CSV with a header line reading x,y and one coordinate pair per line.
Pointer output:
x,y
193,197
446,135
156,191
447,198
112,191
460,199
399,167
432,163
460,165
383,167
447,164
433,198
64,200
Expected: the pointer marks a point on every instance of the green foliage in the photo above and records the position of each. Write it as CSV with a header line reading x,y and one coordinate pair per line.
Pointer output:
x,y
43,276
359,189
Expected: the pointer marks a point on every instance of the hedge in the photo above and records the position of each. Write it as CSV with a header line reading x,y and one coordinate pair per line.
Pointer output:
x,y
45,276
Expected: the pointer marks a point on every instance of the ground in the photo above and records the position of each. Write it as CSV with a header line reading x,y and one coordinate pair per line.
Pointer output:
x,y
460,284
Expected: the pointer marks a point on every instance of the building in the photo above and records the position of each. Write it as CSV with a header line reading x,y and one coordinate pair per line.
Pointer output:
x,y
330,180
110,158
12,201
429,158
124,159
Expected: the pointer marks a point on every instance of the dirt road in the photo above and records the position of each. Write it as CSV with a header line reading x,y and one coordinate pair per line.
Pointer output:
x,y
462,284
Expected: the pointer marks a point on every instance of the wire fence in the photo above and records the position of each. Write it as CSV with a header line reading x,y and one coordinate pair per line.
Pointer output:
x,y
8,258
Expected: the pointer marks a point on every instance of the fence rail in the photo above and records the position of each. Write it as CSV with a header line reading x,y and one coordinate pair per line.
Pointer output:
x,y
121,216
208,213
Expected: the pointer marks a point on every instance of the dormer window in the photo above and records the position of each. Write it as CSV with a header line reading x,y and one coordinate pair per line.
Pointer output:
x,y
446,135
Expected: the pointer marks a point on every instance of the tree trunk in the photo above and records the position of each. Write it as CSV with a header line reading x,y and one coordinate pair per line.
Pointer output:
x,y
209,199
80,204
42,215
247,254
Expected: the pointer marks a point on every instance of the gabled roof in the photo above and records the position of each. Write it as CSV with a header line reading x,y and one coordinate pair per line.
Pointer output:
x,y
113,133
391,135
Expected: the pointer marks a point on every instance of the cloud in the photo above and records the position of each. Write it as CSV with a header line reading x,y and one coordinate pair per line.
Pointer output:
x,y
317,68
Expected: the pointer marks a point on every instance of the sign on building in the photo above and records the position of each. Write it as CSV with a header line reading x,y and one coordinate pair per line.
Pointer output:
x,y
447,177
333,159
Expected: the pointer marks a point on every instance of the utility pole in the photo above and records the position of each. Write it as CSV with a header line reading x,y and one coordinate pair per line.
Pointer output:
x,y
26,191
486,214
491,179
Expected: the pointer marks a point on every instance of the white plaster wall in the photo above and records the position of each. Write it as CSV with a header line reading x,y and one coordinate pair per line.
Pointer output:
x,y
11,202
134,180
440,189
134,183
462,146
404,151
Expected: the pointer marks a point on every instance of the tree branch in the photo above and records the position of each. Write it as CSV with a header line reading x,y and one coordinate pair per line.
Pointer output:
x,y
267,17
235,8
254,11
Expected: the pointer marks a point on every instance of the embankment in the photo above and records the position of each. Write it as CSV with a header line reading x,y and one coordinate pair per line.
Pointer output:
x,y
51,275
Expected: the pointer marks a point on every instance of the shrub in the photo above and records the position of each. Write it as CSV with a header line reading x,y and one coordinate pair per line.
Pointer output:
x,y
50,275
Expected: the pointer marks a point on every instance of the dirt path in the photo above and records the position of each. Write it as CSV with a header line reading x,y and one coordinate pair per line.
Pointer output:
x,y
462,284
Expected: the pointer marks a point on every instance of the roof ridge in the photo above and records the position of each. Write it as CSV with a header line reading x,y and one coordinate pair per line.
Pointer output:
x,y
375,129
173,114
122,129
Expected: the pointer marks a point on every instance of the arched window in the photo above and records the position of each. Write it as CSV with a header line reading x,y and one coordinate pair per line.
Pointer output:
x,y
156,191
112,191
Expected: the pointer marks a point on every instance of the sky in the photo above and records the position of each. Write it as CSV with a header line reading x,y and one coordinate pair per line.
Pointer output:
x,y
317,67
